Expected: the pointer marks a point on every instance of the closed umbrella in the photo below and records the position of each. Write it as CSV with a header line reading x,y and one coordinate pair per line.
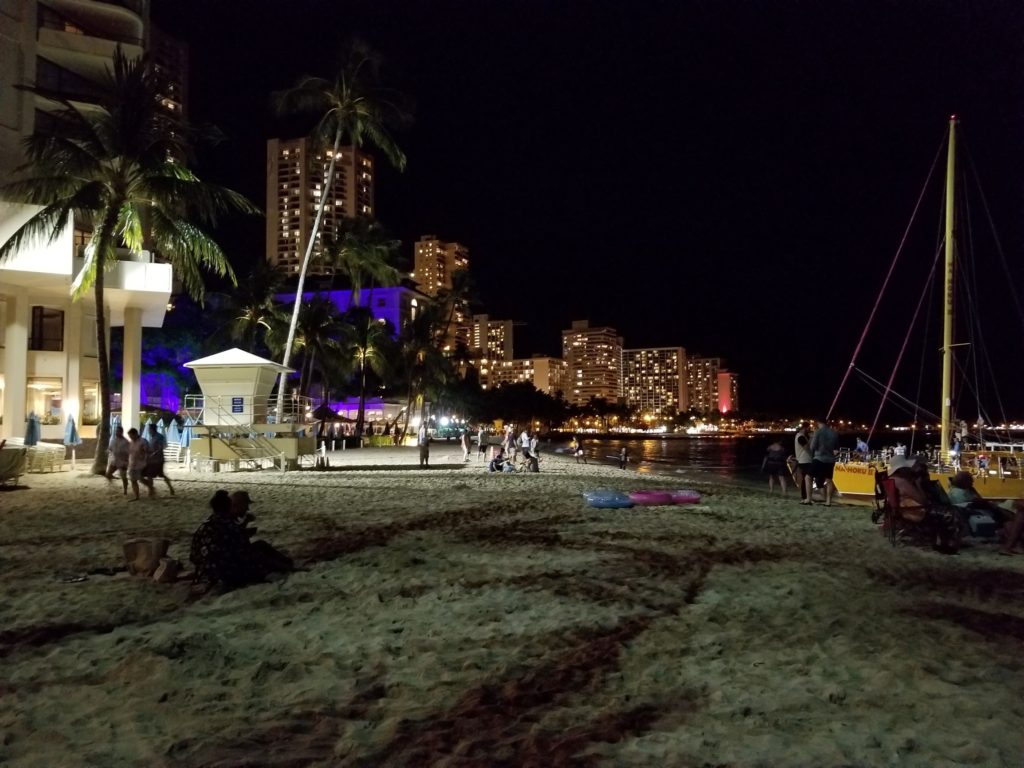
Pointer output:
x,y
173,432
160,430
186,432
71,438
32,429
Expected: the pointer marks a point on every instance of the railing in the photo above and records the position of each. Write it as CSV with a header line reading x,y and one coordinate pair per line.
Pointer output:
x,y
232,411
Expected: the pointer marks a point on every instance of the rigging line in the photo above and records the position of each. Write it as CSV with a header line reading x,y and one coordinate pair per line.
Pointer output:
x,y
894,396
995,236
901,403
906,338
888,276
924,335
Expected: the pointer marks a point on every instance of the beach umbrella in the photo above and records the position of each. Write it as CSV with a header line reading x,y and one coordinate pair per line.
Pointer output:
x,y
32,429
149,431
173,432
115,422
72,438
160,430
186,432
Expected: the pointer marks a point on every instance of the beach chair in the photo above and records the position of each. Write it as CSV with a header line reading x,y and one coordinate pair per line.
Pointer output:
x,y
12,464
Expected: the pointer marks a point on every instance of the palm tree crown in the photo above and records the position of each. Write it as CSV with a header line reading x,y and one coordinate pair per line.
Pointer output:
x,y
117,167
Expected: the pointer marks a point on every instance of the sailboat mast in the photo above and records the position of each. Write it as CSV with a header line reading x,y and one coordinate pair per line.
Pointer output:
x,y
947,317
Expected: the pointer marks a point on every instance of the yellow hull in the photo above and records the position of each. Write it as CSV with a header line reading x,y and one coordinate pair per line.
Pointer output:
x,y
856,479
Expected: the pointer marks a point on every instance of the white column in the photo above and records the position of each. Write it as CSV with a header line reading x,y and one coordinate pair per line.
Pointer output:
x,y
73,355
15,363
131,389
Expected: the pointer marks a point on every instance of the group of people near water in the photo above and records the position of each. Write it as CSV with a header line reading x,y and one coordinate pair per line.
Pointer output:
x,y
136,459
812,462
524,449
920,499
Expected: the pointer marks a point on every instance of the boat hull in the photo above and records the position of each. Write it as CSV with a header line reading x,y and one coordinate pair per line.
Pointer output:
x,y
856,479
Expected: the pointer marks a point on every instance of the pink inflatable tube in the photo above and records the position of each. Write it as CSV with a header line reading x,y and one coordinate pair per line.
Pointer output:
x,y
650,498
685,497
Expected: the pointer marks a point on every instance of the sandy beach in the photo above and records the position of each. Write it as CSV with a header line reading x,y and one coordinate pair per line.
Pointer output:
x,y
453,617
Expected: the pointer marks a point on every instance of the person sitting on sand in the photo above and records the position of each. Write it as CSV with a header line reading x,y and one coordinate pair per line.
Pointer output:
x,y
498,462
920,502
964,496
222,551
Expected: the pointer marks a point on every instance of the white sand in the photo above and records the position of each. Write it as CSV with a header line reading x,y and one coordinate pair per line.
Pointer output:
x,y
452,617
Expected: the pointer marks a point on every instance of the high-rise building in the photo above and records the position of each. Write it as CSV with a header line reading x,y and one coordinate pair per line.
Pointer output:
x,y
49,360
654,380
435,261
728,392
547,374
594,358
296,181
702,383
490,339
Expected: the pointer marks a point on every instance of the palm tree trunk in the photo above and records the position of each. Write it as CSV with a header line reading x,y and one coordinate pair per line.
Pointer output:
x,y
99,464
361,415
281,383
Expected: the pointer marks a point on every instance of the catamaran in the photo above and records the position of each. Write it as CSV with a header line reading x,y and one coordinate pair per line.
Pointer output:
x,y
996,463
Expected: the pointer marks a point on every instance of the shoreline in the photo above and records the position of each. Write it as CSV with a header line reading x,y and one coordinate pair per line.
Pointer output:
x,y
449,614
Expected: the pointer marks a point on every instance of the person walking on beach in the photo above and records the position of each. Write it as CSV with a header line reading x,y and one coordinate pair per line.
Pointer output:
x,y
804,459
423,441
823,450
623,457
138,454
577,449
774,465
464,440
155,464
117,458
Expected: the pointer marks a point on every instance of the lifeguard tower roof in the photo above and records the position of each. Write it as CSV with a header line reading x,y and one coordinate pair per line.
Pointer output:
x,y
235,357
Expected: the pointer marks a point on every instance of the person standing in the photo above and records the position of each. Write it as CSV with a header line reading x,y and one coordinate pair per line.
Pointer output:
x,y
804,459
138,453
464,440
117,458
623,457
578,449
774,465
423,441
823,450
481,442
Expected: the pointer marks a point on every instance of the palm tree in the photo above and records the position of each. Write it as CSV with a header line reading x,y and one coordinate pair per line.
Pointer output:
x,y
422,360
250,310
117,166
352,108
364,252
369,343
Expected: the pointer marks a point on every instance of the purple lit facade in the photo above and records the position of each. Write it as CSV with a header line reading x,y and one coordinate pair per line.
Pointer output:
x,y
397,304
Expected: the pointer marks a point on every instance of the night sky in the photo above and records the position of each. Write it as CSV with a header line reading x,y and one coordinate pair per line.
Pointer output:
x,y
732,177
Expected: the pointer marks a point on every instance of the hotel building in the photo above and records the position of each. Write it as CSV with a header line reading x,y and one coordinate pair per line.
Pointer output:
x,y
547,374
654,381
435,261
296,181
48,357
594,359
728,392
702,383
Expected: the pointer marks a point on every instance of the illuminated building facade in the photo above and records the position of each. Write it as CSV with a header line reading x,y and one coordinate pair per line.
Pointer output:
x,y
296,180
702,383
48,357
490,339
547,374
594,358
654,380
435,261
728,392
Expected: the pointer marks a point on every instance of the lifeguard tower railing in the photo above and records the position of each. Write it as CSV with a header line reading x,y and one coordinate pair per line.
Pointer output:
x,y
245,429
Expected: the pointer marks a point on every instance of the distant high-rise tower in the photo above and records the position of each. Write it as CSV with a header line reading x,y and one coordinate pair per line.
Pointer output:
x,y
702,383
728,392
594,358
434,262
654,380
489,339
296,180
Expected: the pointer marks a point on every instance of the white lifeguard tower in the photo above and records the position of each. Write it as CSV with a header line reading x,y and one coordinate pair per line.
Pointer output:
x,y
236,418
